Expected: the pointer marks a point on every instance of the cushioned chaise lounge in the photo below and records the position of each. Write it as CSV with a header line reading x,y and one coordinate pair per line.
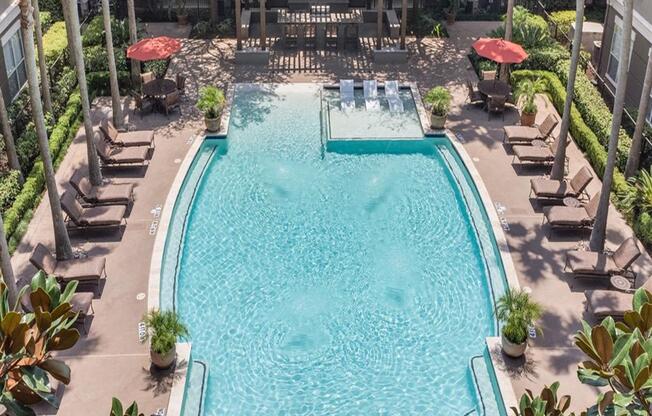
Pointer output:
x,y
551,189
571,217
105,194
525,134
602,302
107,216
594,264
83,270
534,154
126,138
121,156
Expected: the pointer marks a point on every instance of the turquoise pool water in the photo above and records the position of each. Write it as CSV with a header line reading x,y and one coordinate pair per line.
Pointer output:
x,y
345,282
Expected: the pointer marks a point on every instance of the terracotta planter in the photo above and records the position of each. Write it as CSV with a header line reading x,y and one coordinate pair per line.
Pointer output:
x,y
163,361
528,119
437,122
182,19
511,349
212,124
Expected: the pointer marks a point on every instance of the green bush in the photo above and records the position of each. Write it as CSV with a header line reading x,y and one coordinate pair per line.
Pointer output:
x,y
53,7
46,20
9,188
55,49
529,30
99,82
544,58
96,59
159,67
643,228
563,19
94,33
63,87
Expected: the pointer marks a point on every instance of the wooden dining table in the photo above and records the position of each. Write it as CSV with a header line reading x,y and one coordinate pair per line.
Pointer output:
x,y
494,87
159,87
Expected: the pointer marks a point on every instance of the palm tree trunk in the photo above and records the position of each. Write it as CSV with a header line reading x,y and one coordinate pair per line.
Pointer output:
x,y
61,239
113,72
379,23
509,23
45,77
599,232
559,165
263,25
94,172
8,136
5,267
403,22
238,29
133,38
634,157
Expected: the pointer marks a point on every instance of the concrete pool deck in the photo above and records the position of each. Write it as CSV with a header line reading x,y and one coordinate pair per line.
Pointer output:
x,y
110,361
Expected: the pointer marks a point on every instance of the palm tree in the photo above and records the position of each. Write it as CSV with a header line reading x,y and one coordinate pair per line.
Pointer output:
x,y
113,72
75,44
560,155
61,239
634,157
45,80
133,38
8,136
509,23
5,266
600,228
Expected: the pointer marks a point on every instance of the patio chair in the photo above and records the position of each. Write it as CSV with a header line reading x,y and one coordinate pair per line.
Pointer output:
x,y
371,101
105,194
563,217
393,98
120,156
181,84
550,189
171,102
118,138
347,98
603,303
144,105
603,265
488,75
535,155
89,218
474,96
84,270
496,104
147,77
526,135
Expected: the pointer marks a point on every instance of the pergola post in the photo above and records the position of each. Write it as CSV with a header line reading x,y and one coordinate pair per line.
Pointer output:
x,y
403,23
379,37
238,29
263,18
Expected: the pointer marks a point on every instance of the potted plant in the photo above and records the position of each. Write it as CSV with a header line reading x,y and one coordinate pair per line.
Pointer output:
x,y
526,92
451,12
163,330
117,409
211,103
518,314
440,101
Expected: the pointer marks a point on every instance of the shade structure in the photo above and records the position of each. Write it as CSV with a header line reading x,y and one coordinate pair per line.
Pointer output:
x,y
500,50
151,49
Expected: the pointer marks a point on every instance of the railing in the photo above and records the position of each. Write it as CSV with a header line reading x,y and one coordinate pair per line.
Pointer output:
x,y
541,10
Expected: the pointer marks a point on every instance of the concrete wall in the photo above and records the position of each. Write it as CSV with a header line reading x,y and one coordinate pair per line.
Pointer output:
x,y
8,24
4,5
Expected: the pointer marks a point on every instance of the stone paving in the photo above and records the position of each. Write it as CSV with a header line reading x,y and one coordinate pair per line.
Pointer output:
x,y
110,360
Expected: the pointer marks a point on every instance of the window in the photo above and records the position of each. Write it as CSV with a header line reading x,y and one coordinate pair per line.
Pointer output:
x,y
14,63
648,117
616,47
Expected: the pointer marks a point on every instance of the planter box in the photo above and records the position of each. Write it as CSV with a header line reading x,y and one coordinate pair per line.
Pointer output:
x,y
390,56
252,57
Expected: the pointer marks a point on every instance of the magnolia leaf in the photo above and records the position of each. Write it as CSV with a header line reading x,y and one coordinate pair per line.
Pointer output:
x,y
40,300
9,322
57,369
646,317
116,408
605,400
61,311
602,343
68,292
63,340
15,407
43,320
641,297
591,377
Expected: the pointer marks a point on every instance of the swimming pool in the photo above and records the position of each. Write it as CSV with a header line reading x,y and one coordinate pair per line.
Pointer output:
x,y
352,281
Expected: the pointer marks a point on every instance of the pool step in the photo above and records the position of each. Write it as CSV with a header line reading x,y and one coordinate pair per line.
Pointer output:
x,y
195,389
483,380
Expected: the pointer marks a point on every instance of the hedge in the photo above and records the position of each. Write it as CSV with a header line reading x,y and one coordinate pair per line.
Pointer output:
x,y
9,188
564,20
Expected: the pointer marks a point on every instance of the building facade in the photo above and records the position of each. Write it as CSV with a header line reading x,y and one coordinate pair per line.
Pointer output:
x,y
12,59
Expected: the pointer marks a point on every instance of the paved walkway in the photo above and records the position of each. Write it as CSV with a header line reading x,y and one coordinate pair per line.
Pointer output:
x,y
110,360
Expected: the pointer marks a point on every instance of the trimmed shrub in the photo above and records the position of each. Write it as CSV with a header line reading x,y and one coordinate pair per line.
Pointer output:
x,y
100,84
563,19
9,188
55,49
159,67
96,59
64,86
53,7
94,33
46,20
529,30
643,228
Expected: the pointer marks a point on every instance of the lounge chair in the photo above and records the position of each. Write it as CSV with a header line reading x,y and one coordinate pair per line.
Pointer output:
x,y
550,189
171,102
147,77
392,94
105,194
371,94
614,303
181,84
90,269
126,138
535,155
347,98
572,217
107,216
121,156
496,104
81,302
524,134
594,264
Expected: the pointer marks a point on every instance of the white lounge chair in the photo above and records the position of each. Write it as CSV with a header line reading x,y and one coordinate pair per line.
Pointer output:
x,y
393,99
347,98
371,94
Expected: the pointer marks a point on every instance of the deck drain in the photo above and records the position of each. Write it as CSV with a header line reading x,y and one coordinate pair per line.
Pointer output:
x,y
140,296
177,161
190,139
476,159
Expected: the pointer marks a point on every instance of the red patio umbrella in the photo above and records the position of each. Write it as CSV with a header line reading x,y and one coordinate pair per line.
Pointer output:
x,y
500,50
152,49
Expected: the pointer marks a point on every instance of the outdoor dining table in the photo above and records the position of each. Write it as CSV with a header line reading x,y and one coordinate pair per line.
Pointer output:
x,y
159,87
320,20
494,87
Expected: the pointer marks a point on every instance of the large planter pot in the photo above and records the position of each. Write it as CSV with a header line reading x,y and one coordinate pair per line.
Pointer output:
x,y
437,122
182,19
528,119
212,124
511,349
163,361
